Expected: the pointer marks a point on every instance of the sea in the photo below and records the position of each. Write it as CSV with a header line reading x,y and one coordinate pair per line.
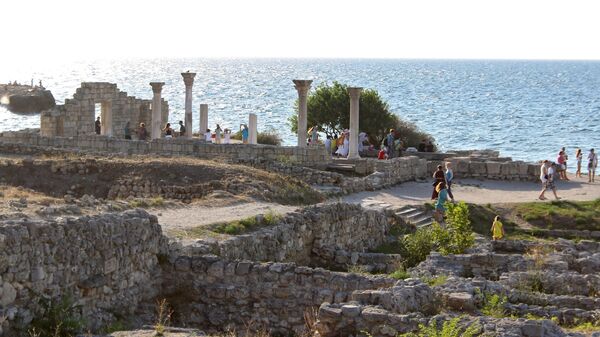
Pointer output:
x,y
525,109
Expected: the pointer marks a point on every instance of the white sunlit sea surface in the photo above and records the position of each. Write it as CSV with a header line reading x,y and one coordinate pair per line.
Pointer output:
x,y
525,109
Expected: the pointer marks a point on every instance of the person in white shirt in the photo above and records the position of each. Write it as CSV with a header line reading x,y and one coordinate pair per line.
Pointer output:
x,y
592,164
547,178
207,136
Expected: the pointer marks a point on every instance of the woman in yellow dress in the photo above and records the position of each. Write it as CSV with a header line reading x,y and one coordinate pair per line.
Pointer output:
x,y
497,229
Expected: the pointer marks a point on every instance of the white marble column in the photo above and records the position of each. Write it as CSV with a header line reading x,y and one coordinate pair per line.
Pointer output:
x,y
156,109
188,80
203,119
302,86
354,128
107,119
252,131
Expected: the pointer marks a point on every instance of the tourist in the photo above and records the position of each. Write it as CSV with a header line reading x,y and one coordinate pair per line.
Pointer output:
x,y
362,138
449,178
429,147
398,147
98,126
168,131
207,136
314,135
562,165
592,164
497,229
181,129
328,144
579,159
566,159
227,133
342,150
245,132
218,132
547,178
381,155
422,146
442,197
390,144
439,177
334,144
127,131
141,132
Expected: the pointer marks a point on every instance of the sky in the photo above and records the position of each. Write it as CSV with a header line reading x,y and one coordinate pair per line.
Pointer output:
x,y
479,29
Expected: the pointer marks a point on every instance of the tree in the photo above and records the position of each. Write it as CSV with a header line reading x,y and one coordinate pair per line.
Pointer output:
x,y
329,109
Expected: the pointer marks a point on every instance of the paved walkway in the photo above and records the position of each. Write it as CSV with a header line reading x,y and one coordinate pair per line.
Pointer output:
x,y
477,191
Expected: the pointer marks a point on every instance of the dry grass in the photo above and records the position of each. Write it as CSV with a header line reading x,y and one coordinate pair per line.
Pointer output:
x,y
12,192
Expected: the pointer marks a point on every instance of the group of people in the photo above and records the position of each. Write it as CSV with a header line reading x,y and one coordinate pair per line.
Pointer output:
x,y
550,171
442,190
339,146
220,136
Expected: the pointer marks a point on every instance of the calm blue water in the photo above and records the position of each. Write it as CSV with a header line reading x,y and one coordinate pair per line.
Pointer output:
x,y
525,109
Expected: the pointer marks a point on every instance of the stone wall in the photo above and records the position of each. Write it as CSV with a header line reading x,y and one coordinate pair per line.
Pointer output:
x,y
31,142
77,115
217,294
302,236
477,168
107,263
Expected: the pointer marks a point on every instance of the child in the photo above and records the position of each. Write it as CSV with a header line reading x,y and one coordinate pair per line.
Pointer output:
x,y
382,155
497,229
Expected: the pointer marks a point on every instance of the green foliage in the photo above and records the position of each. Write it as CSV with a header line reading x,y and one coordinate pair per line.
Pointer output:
x,y
57,318
416,247
450,328
245,225
581,215
494,305
268,137
460,235
329,107
400,274
436,280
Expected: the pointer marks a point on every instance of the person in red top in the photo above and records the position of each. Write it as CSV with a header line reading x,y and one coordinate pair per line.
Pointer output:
x,y
562,163
382,155
440,177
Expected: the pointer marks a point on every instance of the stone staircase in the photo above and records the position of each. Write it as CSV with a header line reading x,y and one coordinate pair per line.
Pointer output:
x,y
414,215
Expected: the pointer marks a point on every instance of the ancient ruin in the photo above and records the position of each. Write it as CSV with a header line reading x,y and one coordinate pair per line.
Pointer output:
x,y
76,117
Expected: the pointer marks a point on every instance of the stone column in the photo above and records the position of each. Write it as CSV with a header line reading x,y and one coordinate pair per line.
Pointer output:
x,y
188,80
156,109
302,86
354,129
106,116
252,132
203,119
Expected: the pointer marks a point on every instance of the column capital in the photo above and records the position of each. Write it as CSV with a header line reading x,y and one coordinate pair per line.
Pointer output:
x,y
157,87
354,92
188,78
302,86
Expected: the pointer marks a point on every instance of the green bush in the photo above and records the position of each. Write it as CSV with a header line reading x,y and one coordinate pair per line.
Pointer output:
x,y
494,305
458,235
451,328
57,318
400,274
246,225
416,247
269,137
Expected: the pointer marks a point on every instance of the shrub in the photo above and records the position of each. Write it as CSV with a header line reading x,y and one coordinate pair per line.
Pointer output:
x,y
494,305
400,274
57,318
459,234
268,137
416,247
451,328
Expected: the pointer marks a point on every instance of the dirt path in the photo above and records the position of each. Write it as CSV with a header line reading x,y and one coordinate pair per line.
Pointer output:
x,y
195,215
476,191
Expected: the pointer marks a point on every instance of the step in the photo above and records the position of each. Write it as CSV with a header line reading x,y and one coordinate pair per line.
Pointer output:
x,y
414,216
424,222
405,211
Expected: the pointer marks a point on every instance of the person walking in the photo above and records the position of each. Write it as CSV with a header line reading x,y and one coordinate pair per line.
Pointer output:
x,y
592,164
547,178
497,229
328,145
208,136
181,129
142,132
440,205
127,131
227,133
98,126
168,131
449,178
579,159
439,177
